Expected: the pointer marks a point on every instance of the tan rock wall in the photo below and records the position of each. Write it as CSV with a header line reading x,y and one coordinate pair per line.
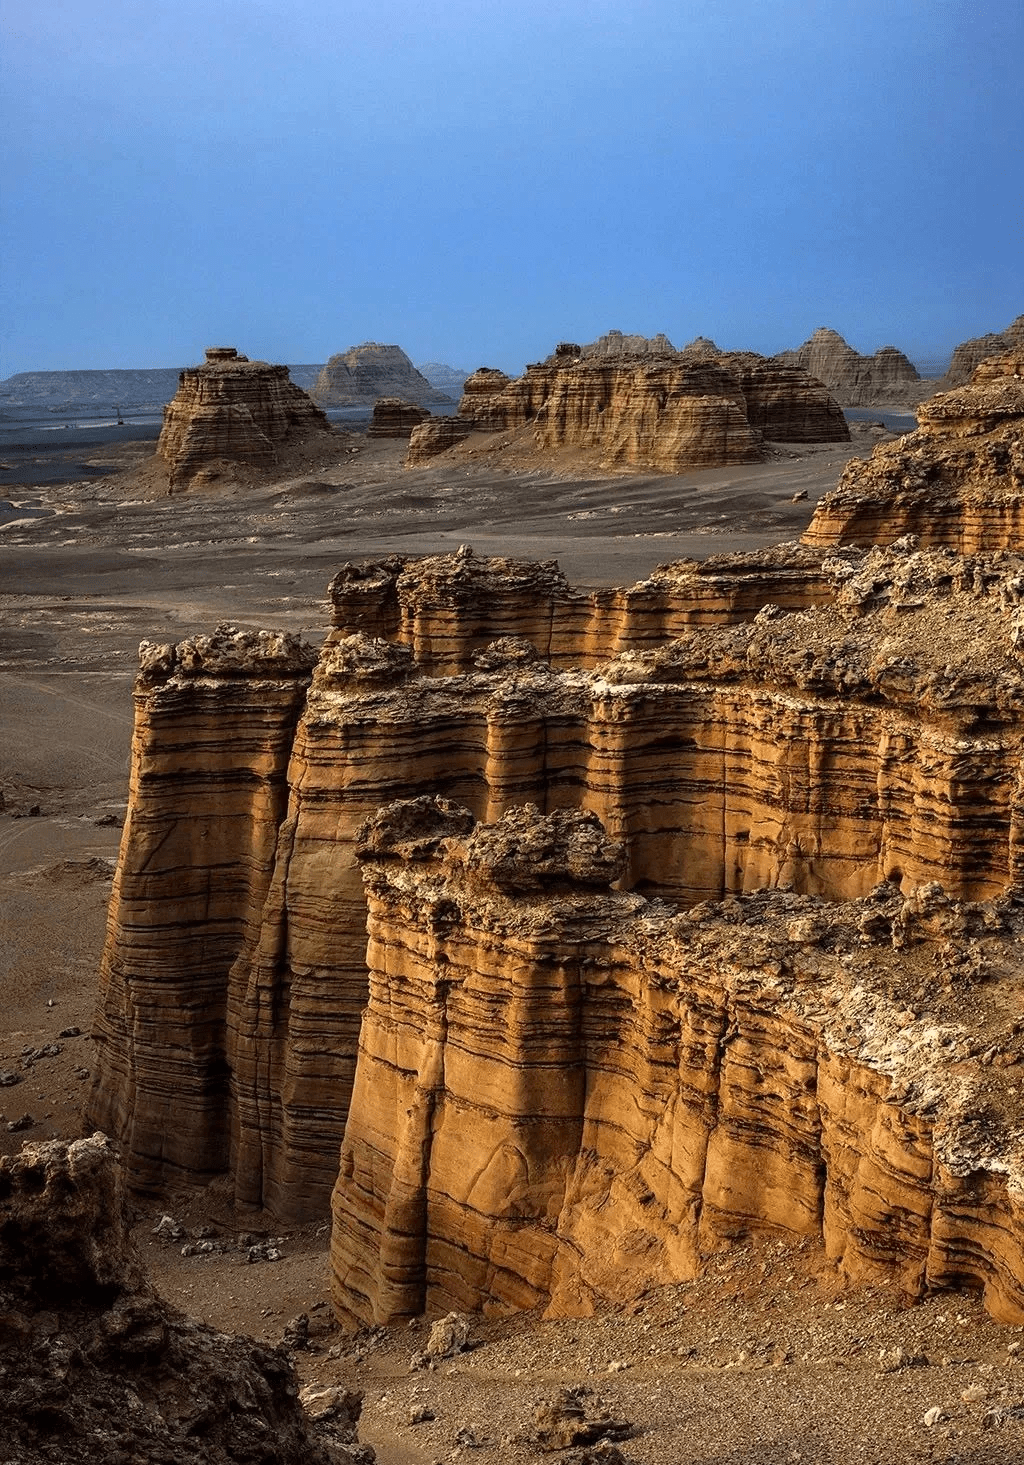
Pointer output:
x,y
563,1098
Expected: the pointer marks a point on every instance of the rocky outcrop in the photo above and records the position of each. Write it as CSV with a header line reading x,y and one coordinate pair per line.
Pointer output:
x,y
232,411
614,343
358,376
871,732
447,379
670,411
658,413
215,721
856,380
486,383
566,1095
94,1366
957,481
448,609
394,418
786,403
435,435
970,354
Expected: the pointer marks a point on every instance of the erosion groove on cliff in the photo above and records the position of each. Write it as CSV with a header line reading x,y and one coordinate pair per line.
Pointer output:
x,y
566,1094
806,720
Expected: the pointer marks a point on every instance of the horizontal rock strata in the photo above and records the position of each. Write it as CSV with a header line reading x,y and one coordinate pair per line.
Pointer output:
x,y
358,376
958,481
232,410
871,732
856,380
669,411
394,418
970,354
565,1096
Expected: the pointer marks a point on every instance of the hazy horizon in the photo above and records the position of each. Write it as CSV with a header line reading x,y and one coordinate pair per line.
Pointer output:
x,y
476,184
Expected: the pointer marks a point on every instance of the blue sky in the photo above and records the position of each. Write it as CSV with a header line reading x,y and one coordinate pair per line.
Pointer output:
x,y
478,181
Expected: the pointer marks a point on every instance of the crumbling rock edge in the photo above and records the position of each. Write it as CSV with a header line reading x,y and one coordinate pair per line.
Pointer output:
x,y
96,1368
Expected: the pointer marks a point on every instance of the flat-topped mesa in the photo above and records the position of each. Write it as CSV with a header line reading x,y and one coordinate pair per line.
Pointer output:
x,y
566,1095
394,418
855,380
654,412
448,608
970,354
358,376
874,734
957,481
234,411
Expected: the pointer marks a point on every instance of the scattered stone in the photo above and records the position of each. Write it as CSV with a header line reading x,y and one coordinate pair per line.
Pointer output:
x,y
448,1336
25,1121
421,1414
168,1229
933,1416
563,1422
296,1332
9,1079
70,1033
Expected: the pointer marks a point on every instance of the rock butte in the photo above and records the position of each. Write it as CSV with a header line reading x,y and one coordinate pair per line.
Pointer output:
x,y
671,411
970,354
780,732
856,380
358,376
957,481
232,410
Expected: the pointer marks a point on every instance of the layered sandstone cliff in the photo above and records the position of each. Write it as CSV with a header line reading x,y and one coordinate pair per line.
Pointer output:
x,y
233,411
957,481
566,1094
358,376
870,732
970,354
887,376
394,418
668,410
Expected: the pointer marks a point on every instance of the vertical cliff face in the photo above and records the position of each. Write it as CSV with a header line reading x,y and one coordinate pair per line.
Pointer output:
x,y
214,726
871,732
564,1095
233,410
958,481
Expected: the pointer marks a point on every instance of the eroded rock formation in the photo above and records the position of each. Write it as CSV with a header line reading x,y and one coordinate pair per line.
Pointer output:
x,y
358,376
94,1366
666,410
234,411
856,381
957,481
970,354
870,731
564,1096
394,418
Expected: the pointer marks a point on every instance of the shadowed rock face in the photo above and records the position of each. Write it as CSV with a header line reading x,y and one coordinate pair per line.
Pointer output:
x,y
855,380
797,721
565,1096
233,410
358,376
94,1366
957,481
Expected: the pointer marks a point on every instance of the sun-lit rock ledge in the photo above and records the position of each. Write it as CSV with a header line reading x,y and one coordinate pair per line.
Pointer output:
x,y
874,735
566,1094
